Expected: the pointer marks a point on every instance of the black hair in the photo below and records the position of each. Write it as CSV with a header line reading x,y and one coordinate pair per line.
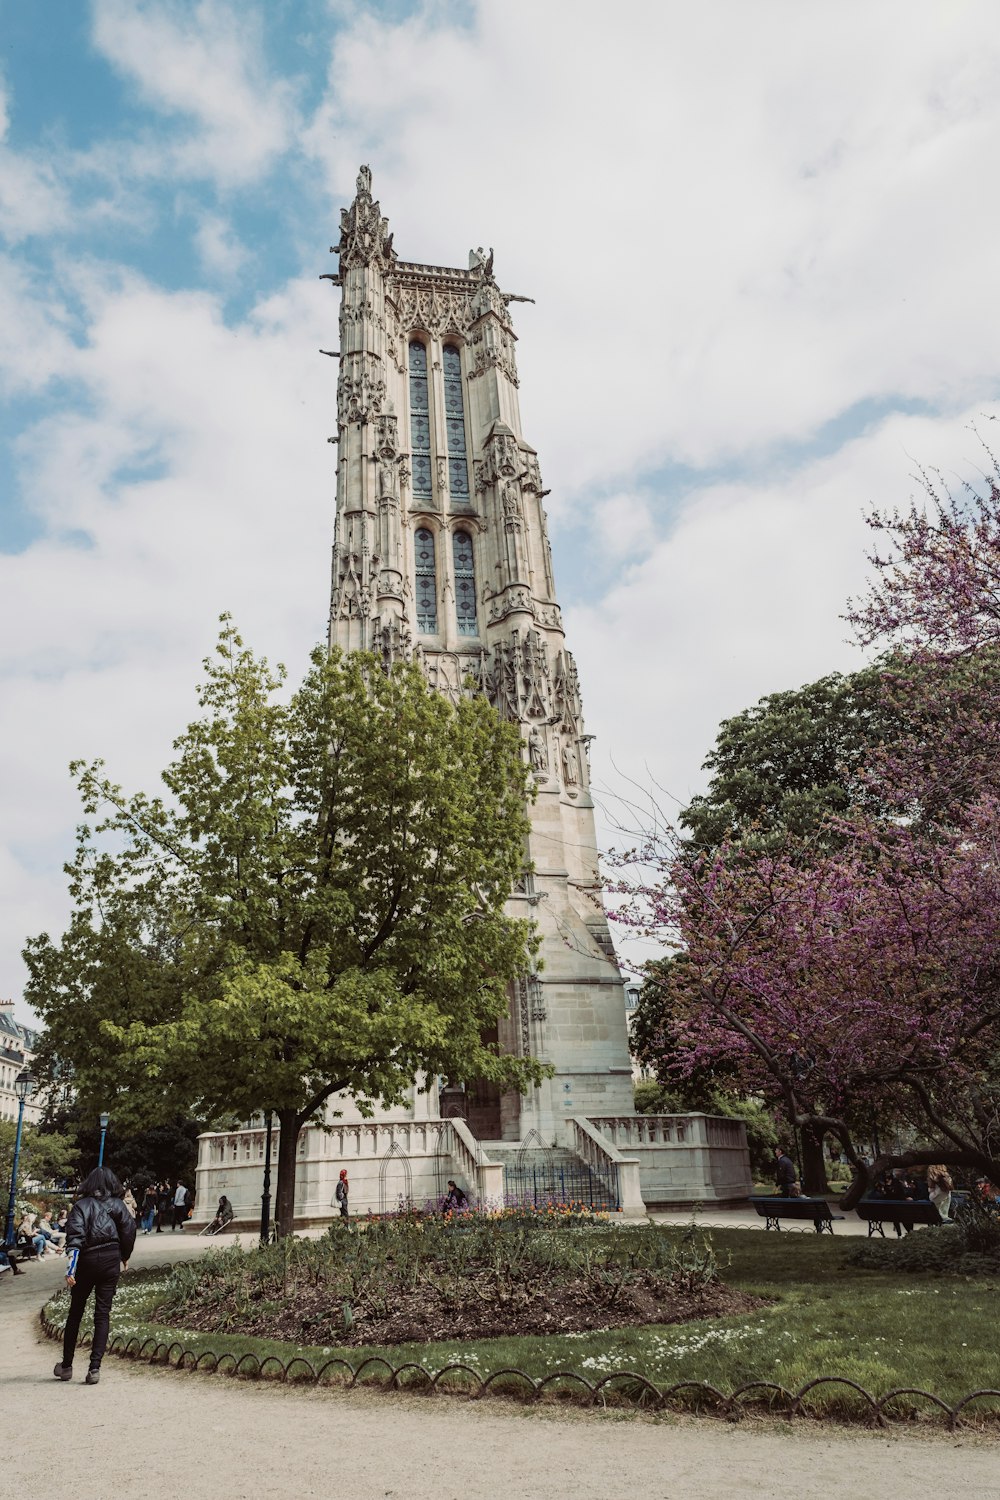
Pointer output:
x,y
100,1183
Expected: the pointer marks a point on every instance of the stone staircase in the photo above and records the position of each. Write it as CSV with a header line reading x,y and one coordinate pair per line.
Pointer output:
x,y
550,1174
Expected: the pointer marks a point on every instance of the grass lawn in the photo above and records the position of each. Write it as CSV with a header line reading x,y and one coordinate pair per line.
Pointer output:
x,y
882,1330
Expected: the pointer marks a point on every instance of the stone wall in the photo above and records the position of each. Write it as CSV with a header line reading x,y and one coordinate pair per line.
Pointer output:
x,y
691,1158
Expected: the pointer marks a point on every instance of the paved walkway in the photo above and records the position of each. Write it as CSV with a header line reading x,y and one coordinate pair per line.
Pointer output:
x,y
749,1218
144,1432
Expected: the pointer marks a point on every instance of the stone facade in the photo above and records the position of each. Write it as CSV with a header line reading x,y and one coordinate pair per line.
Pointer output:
x,y
442,553
17,1048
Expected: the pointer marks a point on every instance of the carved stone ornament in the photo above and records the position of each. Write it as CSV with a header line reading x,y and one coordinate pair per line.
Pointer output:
x,y
388,484
519,686
435,310
570,769
510,502
387,435
492,348
361,392
364,234
538,753
567,705
501,457
512,601
391,639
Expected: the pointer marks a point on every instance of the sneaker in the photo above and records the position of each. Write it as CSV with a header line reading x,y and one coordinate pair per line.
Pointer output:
x,y
63,1372
93,1376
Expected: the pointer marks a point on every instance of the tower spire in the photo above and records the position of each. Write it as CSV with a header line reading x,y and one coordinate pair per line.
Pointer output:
x,y
364,233
442,555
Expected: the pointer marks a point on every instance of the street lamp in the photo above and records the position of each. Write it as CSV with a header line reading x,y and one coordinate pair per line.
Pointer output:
x,y
103,1120
265,1197
24,1087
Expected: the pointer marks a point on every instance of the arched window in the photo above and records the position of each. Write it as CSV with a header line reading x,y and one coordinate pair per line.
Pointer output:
x,y
454,420
420,423
465,583
426,581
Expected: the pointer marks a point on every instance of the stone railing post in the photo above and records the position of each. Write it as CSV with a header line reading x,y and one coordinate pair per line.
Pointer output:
x,y
598,1152
488,1176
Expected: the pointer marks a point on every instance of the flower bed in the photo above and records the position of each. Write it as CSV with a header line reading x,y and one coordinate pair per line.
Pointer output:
x,y
478,1276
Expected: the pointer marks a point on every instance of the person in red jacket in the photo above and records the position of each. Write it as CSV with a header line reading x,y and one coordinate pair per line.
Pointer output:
x,y
100,1237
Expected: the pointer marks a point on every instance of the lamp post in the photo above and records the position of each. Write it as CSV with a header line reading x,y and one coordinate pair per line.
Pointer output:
x,y
104,1121
265,1197
24,1087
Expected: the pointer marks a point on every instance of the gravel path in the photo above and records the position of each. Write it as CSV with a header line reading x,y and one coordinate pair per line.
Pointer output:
x,y
146,1432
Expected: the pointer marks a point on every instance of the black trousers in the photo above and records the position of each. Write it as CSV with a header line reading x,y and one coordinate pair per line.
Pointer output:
x,y
97,1271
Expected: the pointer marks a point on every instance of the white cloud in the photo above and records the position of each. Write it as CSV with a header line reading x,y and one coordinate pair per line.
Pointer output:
x,y
197,473
624,526
745,597
207,64
35,346
738,220
31,198
219,250
739,223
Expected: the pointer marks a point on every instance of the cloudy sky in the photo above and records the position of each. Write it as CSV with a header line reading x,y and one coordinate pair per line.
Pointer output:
x,y
761,236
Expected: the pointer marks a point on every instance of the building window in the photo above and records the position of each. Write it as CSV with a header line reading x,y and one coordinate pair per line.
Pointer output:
x,y
420,423
426,580
465,583
454,419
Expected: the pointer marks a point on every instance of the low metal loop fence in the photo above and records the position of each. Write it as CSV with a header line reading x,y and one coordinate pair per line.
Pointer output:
x,y
759,1397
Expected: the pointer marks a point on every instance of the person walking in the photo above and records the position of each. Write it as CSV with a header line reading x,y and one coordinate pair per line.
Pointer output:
x,y
100,1237
164,1199
148,1208
785,1176
341,1194
180,1206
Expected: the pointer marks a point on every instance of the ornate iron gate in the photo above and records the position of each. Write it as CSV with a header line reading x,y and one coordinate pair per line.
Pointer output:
x,y
546,1176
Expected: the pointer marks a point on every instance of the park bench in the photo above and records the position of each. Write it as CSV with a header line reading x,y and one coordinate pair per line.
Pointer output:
x,y
906,1212
817,1210
22,1249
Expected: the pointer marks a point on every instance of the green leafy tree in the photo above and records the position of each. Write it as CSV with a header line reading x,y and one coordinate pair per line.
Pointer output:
x,y
783,768
46,1156
713,1089
317,908
787,771
151,1154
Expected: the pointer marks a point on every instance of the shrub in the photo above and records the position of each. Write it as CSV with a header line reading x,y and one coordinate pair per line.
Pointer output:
x,y
979,1227
944,1251
506,1262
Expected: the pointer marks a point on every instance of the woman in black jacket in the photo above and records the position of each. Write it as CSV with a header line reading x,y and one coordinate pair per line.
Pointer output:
x,y
100,1236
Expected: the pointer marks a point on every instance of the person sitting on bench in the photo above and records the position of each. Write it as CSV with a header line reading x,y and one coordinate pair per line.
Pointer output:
x,y
8,1263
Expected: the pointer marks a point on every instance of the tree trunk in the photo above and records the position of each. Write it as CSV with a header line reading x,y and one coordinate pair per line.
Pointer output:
x,y
813,1163
284,1198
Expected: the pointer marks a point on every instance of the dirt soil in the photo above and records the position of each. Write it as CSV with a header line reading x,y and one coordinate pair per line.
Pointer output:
x,y
433,1312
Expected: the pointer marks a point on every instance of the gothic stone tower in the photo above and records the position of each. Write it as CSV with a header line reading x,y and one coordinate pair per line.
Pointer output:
x,y
441,552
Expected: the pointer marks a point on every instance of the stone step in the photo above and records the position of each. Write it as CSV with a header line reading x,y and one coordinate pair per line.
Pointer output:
x,y
548,1174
